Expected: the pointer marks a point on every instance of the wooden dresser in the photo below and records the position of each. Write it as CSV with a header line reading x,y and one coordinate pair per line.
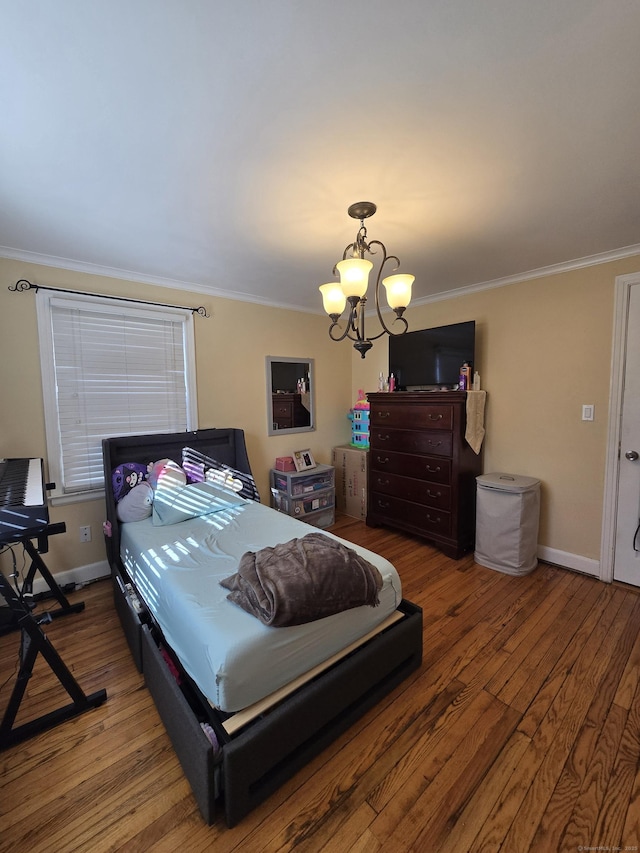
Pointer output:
x,y
288,411
422,472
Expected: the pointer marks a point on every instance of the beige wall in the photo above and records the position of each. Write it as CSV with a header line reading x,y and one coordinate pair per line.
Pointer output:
x,y
543,349
231,347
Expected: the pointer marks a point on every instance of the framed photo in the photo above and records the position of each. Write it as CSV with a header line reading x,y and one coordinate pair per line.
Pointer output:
x,y
303,460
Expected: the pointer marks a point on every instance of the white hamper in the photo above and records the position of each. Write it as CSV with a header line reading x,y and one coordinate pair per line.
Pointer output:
x,y
507,518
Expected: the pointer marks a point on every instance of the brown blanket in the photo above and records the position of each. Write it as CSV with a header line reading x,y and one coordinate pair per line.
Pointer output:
x,y
303,580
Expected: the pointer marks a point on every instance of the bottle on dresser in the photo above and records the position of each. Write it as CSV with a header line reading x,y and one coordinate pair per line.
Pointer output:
x,y
464,383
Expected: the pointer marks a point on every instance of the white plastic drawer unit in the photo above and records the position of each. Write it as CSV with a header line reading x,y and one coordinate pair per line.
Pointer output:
x,y
307,495
303,482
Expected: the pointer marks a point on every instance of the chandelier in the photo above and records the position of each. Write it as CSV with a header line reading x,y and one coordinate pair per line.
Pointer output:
x,y
354,271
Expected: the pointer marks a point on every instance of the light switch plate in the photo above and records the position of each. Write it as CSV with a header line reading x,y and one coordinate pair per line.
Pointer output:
x,y
587,412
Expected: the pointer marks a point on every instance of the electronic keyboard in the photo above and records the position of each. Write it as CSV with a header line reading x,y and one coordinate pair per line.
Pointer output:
x,y
23,505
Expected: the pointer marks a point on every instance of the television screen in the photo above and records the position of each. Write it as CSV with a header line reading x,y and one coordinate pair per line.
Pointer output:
x,y
429,359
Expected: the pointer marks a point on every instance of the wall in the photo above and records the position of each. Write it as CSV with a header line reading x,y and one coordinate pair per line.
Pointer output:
x,y
543,349
231,347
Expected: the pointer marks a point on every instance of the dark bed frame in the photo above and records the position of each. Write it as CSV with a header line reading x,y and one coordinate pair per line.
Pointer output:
x,y
260,757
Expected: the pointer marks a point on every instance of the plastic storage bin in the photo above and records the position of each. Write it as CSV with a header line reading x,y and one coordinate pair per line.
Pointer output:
x,y
304,483
308,495
303,506
507,520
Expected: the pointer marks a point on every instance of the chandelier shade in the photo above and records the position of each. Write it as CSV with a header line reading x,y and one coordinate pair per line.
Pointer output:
x,y
333,298
354,276
354,270
398,288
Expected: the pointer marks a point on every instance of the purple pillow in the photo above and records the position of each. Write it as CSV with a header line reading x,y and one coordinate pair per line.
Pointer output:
x,y
125,477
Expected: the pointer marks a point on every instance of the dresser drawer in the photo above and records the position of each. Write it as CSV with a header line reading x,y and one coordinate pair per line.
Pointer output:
x,y
418,491
433,469
428,519
412,441
283,414
283,410
420,417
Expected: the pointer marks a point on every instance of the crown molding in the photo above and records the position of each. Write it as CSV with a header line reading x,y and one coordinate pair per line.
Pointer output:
x,y
175,284
541,272
128,275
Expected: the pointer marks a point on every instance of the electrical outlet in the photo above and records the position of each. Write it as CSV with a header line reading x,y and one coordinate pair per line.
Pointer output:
x,y
85,533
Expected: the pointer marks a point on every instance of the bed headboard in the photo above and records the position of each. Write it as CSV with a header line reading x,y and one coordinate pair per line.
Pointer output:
x,y
224,445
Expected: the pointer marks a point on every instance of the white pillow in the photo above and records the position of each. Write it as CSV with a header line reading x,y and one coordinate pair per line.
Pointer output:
x,y
137,504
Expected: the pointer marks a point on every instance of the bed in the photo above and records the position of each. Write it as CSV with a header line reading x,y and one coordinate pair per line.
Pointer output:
x,y
242,725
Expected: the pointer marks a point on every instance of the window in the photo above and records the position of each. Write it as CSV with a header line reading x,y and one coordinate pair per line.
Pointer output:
x,y
109,369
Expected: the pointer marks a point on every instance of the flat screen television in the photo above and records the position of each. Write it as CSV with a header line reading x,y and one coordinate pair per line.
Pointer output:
x,y
430,359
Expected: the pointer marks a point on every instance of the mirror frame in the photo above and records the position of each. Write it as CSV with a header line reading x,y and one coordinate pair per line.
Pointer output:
x,y
273,359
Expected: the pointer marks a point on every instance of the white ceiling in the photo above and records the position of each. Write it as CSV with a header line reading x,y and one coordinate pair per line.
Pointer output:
x,y
218,143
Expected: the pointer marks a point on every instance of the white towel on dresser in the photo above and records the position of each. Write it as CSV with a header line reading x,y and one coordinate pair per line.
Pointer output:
x,y
475,431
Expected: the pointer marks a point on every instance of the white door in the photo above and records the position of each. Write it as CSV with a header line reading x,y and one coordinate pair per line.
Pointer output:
x,y
626,560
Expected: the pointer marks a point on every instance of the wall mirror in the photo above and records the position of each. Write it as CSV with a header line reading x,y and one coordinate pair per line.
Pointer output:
x,y
290,395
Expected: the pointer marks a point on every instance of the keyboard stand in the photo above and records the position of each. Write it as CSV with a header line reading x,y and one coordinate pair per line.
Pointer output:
x,y
34,641
38,565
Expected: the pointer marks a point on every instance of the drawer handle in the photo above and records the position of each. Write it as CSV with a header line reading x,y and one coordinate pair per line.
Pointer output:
x,y
433,470
433,494
434,443
437,520
433,417
384,437
382,482
383,504
384,414
382,461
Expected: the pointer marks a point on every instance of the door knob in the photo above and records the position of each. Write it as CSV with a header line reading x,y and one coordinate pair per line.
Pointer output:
x,y
631,455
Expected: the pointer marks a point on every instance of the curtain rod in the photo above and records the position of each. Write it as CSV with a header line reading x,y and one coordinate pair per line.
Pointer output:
x,y
22,284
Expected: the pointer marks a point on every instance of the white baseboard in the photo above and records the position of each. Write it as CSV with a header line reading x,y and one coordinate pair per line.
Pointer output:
x,y
569,561
79,576
95,571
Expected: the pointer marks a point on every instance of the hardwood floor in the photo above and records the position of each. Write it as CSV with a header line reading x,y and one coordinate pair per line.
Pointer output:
x,y
521,731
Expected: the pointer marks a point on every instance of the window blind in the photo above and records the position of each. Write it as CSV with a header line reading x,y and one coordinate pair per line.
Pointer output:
x,y
115,371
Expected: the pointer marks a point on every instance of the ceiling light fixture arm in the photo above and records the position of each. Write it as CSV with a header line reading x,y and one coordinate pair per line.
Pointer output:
x,y
398,311
356,317
353,271
355,324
